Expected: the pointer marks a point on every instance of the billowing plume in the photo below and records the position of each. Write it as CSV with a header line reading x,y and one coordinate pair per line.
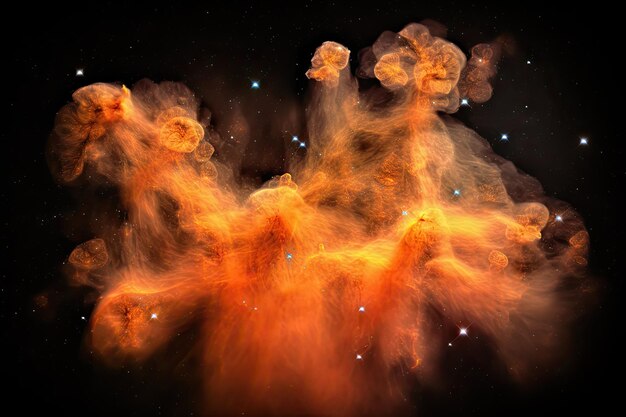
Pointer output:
x,y
333,279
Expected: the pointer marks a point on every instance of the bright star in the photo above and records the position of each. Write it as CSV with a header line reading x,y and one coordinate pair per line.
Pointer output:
x,y
80,72
362,309
358,357
457,193
584,141
463,331
528,62
405,213
255,85
504,137
558,218
82,317
154,316
450,344
302,145
464,102
289,256
295,138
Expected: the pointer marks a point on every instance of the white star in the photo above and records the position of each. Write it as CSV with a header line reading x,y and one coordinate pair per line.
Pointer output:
x,y
154,316
464,102
294,138
584,141
528,62
463,331
80,72
362,309
255,85
558,218
504,137
358,357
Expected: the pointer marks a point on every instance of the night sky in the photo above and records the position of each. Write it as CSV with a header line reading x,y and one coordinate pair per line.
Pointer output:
x,y
553,87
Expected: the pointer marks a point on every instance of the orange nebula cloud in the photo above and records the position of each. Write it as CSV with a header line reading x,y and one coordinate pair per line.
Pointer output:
x,y
327,279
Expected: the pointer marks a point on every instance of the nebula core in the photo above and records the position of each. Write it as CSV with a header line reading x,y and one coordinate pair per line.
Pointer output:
x,y
330,283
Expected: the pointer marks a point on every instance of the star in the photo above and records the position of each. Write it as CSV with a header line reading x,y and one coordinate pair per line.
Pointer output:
x,y
463,331
289,256
362,309
255,85
405,213
295,138
558,218
504,137
83,318
456,193
464,102
154,316
528,62
359,357
302,145
584,141
80,72
450,344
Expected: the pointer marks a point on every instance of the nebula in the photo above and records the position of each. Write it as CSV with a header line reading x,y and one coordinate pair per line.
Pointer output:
x,y
316,292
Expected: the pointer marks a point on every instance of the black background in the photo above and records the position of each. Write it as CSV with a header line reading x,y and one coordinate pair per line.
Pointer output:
x,y
569,88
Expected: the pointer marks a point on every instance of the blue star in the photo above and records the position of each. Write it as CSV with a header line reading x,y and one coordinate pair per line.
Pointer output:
x,y
405,213
302,145
504,137
289,256
456,193
464,102
255,85
295,138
